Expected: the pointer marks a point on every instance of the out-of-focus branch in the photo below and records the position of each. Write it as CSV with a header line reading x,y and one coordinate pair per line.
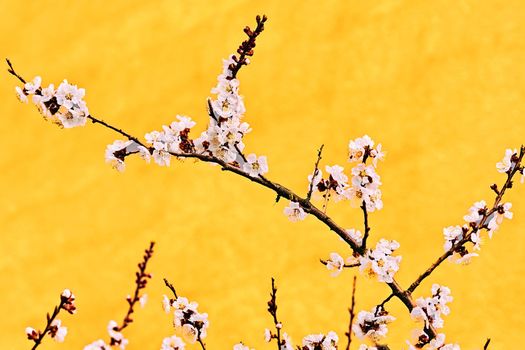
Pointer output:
x,y
351,311
272,309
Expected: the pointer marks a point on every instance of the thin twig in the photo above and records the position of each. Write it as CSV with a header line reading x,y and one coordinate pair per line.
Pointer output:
x,y
486,346
140,283
170,286
324,262
246,48
314,174
351,310
272,309
367,227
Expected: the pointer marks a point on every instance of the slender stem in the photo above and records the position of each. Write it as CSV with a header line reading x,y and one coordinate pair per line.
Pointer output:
x,y
50,320
140,283
170,286
486,346
367,227
351,310
324,262
272,309
316,171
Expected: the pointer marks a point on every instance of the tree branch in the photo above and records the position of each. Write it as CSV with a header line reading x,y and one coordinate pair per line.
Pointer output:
x,y
352,315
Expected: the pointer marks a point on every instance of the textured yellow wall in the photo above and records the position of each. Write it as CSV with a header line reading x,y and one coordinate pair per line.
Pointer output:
x,y
439,83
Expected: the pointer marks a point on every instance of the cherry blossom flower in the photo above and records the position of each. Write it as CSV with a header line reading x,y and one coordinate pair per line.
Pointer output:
x,y
267,335
320,341
22,97
359,147
379,262
240,346
117,338
68,301
294,212
32,334
57,331
287,342
143,300
187,319
372,325
166,304
508,161
476,212
366,347
429,310
255,166
356,235
496,219
115,154
97,345
172,343
335,264
64,106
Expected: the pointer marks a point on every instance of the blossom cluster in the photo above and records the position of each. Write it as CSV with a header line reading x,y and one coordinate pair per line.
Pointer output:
x,y
372,325
116,339
64,106
363,188
438,343
430,309
379,262
192,324
223,139
55,328
320,341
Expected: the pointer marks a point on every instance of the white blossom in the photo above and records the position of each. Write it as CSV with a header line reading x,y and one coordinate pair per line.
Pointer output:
x,y
166,304
320,341
240,346
496,219
172,343
507,162
143,300
189,321
116,336
255,166
356,235
476,212
372,325
379,262
97,345
295,212
429,310
22,97
366,347
57,331
335,264
267,335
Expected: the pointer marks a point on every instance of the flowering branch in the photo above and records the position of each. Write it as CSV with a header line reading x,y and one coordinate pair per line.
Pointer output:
x,y
114,330
351,310
481,222
54,326
222,144
140,283
193,324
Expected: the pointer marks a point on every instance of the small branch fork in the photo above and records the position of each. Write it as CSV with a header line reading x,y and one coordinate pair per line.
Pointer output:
x,y
272,309
351,311
38,336
475,228
283,192
174,292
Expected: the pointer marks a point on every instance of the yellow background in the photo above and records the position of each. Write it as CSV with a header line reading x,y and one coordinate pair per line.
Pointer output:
x,y
439,83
